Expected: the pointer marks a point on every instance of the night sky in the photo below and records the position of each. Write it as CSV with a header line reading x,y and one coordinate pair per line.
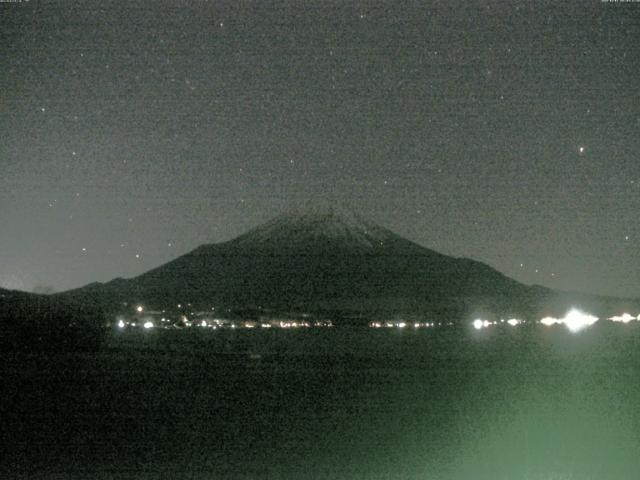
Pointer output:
x,y
132,132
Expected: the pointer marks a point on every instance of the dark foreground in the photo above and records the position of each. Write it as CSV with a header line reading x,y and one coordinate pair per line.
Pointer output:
x,y
508,403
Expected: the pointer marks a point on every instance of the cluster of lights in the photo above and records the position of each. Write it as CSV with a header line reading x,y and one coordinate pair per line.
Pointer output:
x,y
217,323
550,321
403,324
479,323
624,318
575,320
294,324
146,325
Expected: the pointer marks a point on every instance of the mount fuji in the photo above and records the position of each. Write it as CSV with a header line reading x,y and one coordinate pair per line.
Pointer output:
x,y
326,261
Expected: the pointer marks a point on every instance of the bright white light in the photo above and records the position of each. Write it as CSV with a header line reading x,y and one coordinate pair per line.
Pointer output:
x,y
121,324
624,318
576,320
139,309
486,323
548,321
148,325
402,325
203,323
514,321
478,324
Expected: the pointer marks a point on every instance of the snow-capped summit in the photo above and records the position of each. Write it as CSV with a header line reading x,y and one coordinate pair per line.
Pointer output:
x,y
316,223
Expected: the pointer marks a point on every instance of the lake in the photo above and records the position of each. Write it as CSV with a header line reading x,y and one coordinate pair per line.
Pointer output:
x,y
525,402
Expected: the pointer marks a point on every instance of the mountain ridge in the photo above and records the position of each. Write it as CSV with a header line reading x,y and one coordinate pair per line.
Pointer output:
x,y
325,260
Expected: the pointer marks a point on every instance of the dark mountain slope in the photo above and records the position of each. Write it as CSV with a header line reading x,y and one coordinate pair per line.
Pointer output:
x,y
41,322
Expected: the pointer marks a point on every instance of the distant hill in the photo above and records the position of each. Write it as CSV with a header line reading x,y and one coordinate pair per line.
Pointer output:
x,y
331,261
40,322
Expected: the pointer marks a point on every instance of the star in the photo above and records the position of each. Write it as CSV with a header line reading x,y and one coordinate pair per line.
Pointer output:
x,y
581,150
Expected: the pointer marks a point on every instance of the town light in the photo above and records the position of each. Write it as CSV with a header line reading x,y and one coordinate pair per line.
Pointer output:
x,y
624,318
548,321
576,320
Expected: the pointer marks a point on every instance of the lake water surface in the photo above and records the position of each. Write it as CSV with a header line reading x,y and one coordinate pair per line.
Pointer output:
x,y
340,403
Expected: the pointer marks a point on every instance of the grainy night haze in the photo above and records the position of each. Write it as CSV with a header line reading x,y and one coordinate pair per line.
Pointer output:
x,y
508,132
